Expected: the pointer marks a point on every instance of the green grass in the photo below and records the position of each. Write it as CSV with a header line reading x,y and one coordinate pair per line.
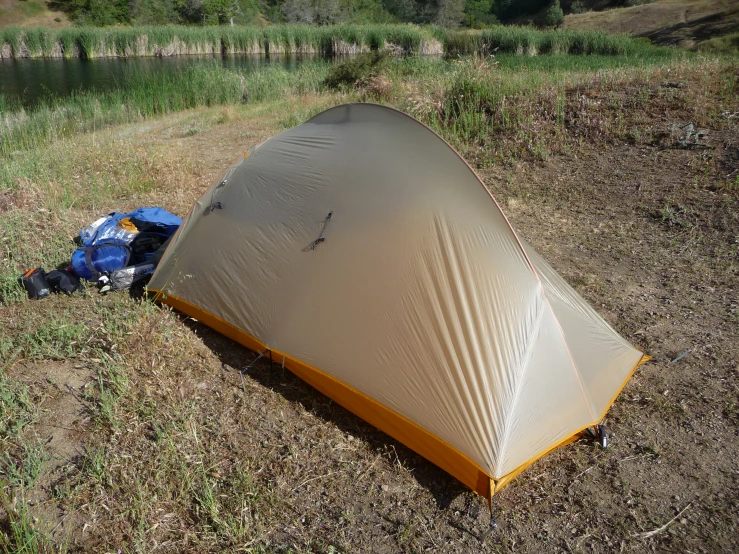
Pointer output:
x,y
530,41
22,460
210,84
16,408
726,44
23,536
144,96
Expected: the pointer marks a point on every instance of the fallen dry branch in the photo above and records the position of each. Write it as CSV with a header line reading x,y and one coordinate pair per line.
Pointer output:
x,y
658,530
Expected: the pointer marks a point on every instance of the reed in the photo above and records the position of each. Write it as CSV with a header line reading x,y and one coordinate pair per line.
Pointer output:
x,y
529,41
146,96
470,96
91,42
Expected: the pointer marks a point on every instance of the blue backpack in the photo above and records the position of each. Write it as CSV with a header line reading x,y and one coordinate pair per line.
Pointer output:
x,y
119,239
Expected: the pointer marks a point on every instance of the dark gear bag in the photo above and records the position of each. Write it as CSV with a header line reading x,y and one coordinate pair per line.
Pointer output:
x,y
61,280
35,283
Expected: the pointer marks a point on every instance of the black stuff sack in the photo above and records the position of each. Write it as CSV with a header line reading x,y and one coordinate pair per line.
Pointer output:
x,y
61,280
35,283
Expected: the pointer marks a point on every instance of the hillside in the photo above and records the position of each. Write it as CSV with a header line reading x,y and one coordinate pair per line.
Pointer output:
x,y
685,23
30,13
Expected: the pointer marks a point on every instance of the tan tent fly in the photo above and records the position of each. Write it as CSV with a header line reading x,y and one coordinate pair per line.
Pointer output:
x,y
362,252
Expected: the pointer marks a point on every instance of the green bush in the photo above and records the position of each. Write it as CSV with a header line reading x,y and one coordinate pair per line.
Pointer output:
x,y
363,66
578,7
554,15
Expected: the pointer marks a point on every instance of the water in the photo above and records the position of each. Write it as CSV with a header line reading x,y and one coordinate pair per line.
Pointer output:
x,y
29,80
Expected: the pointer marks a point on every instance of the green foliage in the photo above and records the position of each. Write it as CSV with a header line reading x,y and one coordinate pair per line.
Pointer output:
x,y
512,9
554,15
100,12
526,40
222,12
446,13
22,537
144,96
578,7
479,13
16,406
727,43
152,12
449,13
355,69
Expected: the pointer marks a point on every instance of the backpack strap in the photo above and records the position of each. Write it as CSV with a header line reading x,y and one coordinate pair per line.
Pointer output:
x,y
88,250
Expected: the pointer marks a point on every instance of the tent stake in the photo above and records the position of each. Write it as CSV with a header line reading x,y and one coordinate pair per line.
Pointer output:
x,y
491,506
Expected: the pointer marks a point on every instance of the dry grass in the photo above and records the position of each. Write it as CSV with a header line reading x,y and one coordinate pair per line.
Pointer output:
x,y
134,432
681,22
30,13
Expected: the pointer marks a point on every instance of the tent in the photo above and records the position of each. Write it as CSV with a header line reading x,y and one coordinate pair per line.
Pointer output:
x,y
366,256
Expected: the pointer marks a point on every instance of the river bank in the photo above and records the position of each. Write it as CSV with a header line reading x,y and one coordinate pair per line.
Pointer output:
x,y
340,40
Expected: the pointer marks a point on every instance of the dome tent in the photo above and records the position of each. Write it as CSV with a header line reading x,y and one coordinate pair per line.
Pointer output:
x,y
362,252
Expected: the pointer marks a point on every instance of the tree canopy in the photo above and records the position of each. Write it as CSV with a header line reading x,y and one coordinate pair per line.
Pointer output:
x,y
448,13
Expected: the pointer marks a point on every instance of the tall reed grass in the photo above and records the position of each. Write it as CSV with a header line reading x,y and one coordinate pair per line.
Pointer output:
x,y
464,99
200,85
94,42
529,41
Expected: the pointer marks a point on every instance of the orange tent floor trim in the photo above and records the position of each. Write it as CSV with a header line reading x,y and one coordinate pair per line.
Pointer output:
x,y
397,426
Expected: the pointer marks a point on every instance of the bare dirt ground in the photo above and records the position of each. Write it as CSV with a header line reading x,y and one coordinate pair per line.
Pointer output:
x,y
193,459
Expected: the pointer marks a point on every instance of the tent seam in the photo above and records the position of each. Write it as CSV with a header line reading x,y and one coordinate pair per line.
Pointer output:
x,y
519,387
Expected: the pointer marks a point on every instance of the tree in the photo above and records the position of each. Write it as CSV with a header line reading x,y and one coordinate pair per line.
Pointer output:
x,y
298,11
449,13
154,12
478,13
221,11
326,11
554,15
404,10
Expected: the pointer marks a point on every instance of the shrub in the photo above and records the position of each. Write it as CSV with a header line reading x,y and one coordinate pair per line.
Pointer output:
x,y
578,7
554,15
362,67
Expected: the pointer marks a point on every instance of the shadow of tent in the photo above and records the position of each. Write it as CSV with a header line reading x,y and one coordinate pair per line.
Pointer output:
x,y
444,488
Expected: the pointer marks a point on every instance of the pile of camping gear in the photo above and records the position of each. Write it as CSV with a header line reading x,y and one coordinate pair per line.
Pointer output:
x,y
115,252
